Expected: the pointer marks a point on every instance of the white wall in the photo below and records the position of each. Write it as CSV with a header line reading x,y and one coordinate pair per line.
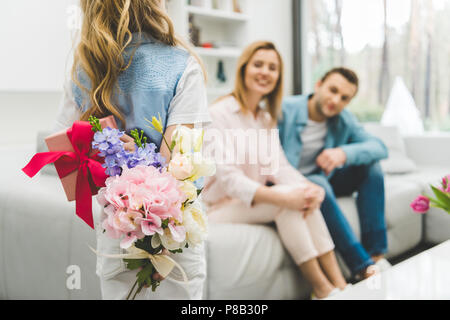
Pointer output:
x,y
36,43
35,40
26,113
272,20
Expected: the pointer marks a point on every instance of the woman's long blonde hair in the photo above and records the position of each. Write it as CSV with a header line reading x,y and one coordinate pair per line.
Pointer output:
x,y
273,99
106,32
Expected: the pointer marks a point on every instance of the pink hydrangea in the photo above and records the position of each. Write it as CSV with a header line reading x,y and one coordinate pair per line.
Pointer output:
x,y
136,203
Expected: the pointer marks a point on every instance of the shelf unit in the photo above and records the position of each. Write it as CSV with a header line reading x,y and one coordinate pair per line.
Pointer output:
x,y
227,31
218,52
215,14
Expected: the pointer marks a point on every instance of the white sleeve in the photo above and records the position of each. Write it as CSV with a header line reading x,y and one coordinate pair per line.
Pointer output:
x,y
190,105
68,109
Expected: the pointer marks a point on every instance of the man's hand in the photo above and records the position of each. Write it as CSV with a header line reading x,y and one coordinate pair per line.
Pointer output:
x,y
330,159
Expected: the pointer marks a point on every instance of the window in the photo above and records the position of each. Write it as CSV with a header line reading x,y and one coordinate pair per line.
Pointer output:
x,y
386,43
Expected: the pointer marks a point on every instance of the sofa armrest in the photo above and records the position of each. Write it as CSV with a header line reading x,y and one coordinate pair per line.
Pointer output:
x,y
432,150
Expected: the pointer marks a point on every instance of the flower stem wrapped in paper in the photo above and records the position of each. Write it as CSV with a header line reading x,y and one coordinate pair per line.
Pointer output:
x,y
153,208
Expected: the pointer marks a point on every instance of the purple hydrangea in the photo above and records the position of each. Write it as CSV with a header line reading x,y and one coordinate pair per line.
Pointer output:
x,y
146,156
110,146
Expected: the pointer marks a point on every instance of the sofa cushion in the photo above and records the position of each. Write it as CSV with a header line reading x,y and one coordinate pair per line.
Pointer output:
x,y
398,162
249,261
41,235
398,196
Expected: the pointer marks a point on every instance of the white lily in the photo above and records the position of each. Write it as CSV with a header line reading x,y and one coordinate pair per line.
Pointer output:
x,y
202,167
187,139
182,136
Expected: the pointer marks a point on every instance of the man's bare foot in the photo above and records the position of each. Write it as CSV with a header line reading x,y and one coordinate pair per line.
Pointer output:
x,y
377,258
370,271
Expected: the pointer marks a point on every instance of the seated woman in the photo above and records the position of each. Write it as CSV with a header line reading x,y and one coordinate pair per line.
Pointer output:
x,y
240,191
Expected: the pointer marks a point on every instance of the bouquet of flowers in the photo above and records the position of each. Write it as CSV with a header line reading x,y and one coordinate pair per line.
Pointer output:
x,y
152,207
442,198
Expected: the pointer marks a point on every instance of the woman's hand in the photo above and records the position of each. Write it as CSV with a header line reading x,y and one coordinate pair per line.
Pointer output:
x,y
314,196
294,199
305,199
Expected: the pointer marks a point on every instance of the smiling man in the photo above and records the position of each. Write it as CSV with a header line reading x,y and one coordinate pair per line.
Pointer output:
x,y
328,146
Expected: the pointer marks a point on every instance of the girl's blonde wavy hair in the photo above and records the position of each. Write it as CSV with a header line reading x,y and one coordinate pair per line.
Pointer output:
x,y
273,99
106,32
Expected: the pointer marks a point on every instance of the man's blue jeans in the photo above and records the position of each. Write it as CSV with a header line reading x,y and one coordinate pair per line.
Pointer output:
x,y
368,182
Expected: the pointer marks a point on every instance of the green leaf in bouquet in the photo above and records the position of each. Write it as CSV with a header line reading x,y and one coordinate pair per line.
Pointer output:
x,y
155,284
435,203
146,245
95,123
199,191
134,264
176,251
144,274
139,139
442,197
165,223
148,281
173,144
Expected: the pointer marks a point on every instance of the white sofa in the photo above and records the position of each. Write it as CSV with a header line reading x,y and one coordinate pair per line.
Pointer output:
x,y
41,236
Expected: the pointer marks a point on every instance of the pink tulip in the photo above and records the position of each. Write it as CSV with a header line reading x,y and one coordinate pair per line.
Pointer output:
x,y
446,183
421,204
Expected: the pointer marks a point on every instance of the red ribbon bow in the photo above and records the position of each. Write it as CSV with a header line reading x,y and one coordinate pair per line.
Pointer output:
x,y
90,175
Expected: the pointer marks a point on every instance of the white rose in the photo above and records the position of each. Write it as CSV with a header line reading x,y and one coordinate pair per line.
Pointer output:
x,y
195,222
181,166
190,190
168,242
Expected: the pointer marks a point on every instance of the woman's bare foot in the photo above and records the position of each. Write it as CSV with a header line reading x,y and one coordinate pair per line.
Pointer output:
x,y
322,292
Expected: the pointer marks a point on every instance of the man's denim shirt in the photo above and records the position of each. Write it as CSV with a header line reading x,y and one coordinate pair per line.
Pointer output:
x,y
344,131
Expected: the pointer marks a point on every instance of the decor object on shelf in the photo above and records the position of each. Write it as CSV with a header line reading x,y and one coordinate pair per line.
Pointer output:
x,y
194,32
221,72
236,6
202,3
225,5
